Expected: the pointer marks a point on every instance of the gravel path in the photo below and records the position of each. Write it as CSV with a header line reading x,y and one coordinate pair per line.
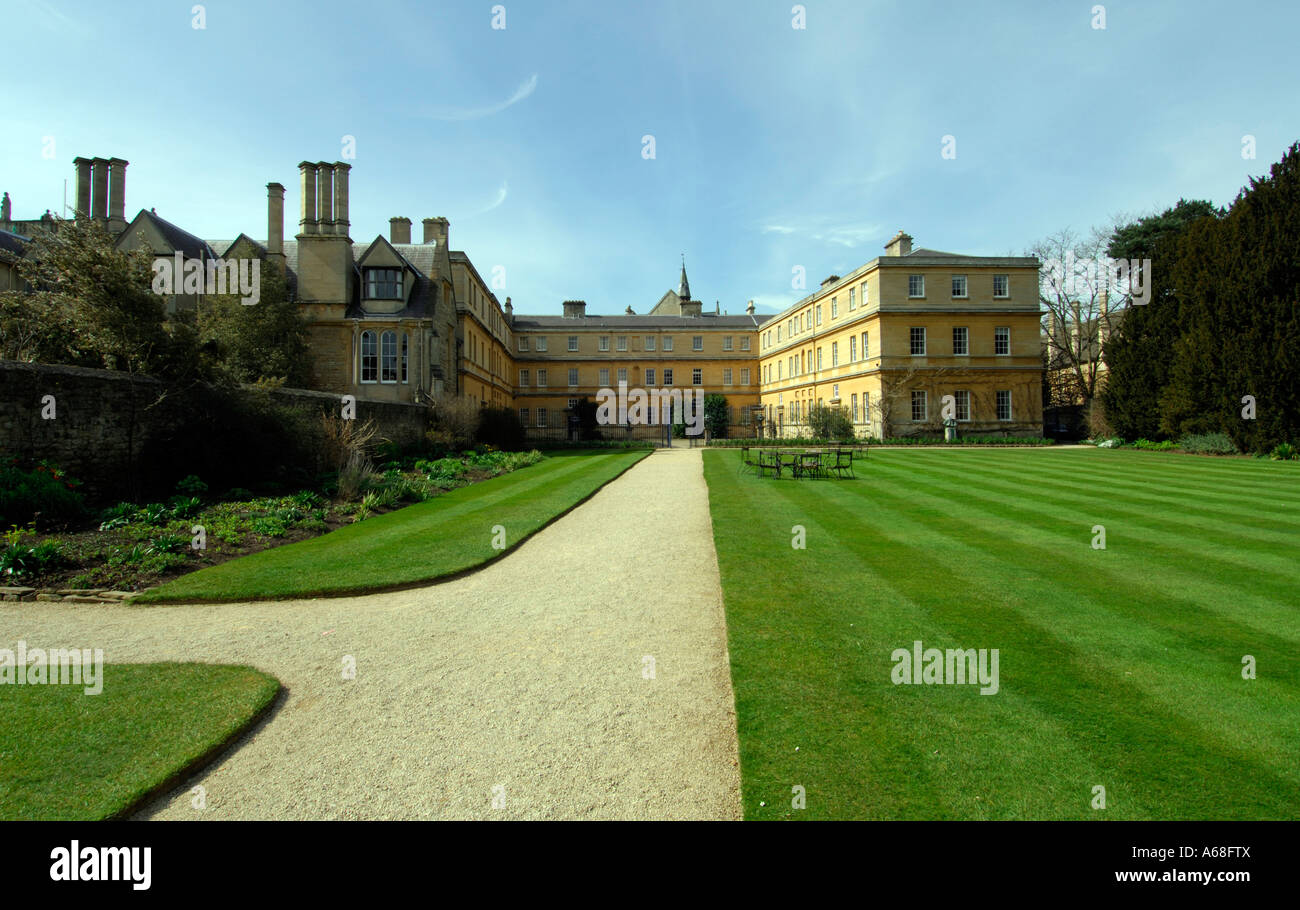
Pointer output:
x,y
522,685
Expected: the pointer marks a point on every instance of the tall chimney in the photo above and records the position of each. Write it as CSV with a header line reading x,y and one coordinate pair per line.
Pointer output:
x,y
575,309
435,230
510,312
117,194
399,230
325,197
341,222
901,245
99,189
6,209
308,224
83,186
275,221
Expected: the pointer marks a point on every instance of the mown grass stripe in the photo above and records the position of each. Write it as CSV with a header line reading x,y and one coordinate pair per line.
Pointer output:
x,y
1154,735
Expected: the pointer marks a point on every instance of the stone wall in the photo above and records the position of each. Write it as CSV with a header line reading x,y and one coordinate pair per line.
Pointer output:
x,y
114,431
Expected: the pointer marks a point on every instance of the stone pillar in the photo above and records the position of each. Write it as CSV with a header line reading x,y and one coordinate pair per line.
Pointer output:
x,y
99,189
83,187
117,195
325,197
341,222
275,222
307,223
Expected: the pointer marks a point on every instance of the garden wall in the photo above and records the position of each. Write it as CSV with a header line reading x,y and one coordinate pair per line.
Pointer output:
x,y
126,436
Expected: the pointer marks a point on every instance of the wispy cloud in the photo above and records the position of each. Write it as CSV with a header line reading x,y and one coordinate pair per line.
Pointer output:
x,y
837,234
478,113
502,192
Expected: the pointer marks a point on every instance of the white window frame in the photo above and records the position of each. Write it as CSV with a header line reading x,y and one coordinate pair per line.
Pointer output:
x,y
998,397
912,283
962,397
1002,333
1006,286
541,344
965,287
649,342
373,356
573,377
604,343
697,342
911,340
573,342
697,376
925,406
965,341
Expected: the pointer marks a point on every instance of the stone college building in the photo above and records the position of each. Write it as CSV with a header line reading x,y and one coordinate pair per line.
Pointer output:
x,y
392,319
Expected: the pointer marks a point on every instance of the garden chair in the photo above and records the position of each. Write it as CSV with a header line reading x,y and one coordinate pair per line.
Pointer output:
x,y
747,463
789,460
843,462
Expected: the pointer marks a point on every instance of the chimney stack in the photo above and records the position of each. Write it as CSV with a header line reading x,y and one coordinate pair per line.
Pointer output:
x,y
510,312
307,224
341,222
575,309
399,230
117,195
436,230
83,187
325,197
275,221
901,245
6,209
99,189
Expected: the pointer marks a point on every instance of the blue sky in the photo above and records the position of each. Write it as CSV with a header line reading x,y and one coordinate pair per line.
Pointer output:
x,y
774,146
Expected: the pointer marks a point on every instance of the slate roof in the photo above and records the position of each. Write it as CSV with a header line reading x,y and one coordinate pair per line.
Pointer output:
x,y
178,238
13,244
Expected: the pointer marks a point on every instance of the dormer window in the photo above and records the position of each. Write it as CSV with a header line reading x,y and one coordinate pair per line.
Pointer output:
x,y
383,284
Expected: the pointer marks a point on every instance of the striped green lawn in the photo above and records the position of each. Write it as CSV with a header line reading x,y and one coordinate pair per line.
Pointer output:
x,y
420,543
1119,668
65,755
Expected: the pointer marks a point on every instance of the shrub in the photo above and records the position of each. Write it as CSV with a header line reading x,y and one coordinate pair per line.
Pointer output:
x,y
185,506
500,427
20,561
1284,451
117,516
830,423
191,486
43,491
1207,444
267,526
307,499
153,514
166,543
1163,446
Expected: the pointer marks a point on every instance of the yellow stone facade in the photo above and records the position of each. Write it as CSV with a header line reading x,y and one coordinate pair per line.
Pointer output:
x,y
888,341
